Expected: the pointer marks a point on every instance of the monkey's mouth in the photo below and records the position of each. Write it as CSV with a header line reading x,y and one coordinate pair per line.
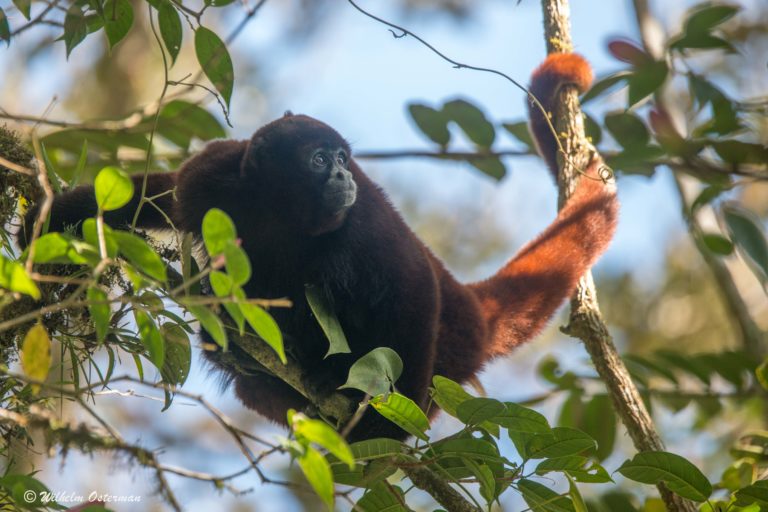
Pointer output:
x,y
338,200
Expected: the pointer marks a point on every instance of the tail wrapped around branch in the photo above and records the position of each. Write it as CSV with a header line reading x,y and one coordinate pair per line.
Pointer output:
x,y
521,298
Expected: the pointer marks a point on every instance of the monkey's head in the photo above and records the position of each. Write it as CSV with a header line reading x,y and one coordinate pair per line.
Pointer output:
x,y
301,167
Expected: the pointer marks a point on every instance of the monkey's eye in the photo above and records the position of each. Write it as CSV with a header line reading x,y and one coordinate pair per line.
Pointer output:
x,y
320,160
341,158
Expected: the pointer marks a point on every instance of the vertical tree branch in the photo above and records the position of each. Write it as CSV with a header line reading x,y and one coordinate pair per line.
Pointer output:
x,y
586,322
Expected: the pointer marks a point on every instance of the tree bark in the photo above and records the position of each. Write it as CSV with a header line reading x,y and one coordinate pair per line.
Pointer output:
x,y
586,322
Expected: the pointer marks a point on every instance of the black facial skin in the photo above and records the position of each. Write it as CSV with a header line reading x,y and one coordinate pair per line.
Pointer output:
x,y
339,191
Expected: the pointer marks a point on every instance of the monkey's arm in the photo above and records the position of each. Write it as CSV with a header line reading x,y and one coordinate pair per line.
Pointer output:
x,y
74,206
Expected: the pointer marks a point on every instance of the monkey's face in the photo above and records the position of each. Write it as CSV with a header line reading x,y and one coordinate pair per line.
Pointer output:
x,y
301,167
337,189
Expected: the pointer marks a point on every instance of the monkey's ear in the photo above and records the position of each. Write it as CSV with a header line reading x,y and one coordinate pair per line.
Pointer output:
x,y
252,156
288,113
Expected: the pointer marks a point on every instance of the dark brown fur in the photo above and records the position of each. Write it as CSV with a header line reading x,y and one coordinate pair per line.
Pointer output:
x,y
386,287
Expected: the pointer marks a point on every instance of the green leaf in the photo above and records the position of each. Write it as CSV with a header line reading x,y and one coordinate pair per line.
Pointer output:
x,y
320,433
486,479
238,264
36,354
13,277
141,255
543,499
645,80
52,248
221,283
24,487
470,448
75,27
472,121
761,373
679,475
318,473
579,468
628,129
178,354
520,132
265,326
382,498
562,442
706,196
114,188
432,123
81,161
404,412
98,306
517,418
756,493
376,372
376,448
218,3
151,338
210,322
322,308
118,18
476,410
605,84
448,394
91,236
491,166
708,17
218,229
599,422
5,29
24,7
214,58
578,501
181,121
738,152
223,287
717,244
746,233
170,28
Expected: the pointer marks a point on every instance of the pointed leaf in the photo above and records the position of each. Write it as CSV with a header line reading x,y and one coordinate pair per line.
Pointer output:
x,y
318,473
98,306
404,412
265,326
170,27
679,475
36,354
214,58
376,372
141,255
472,121
432,123
322,308
118,18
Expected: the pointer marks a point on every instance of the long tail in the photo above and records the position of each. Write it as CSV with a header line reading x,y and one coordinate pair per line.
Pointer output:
x,y
521,298
74,206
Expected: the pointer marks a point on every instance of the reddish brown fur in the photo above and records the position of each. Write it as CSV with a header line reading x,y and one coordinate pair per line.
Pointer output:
x,y
521,298
558,70
386,287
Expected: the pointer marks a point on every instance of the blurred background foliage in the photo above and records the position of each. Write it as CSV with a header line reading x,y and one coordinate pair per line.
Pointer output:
x,y
674,321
